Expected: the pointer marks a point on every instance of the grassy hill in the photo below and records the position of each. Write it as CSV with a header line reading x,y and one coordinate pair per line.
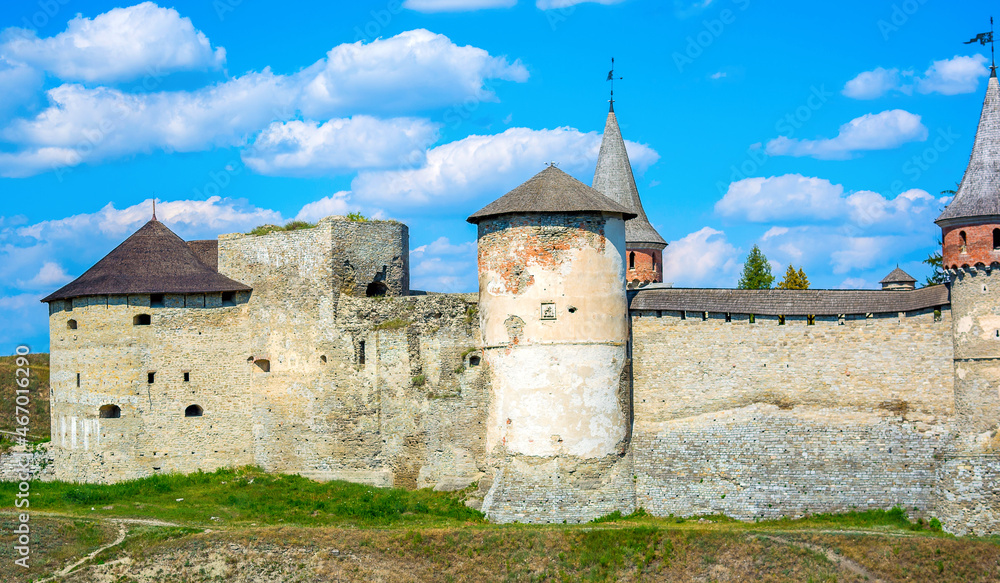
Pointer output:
x,y
245,525
38,385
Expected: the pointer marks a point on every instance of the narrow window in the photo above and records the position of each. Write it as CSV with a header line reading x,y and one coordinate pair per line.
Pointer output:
x,y
150,377
71,324
68,305
376,289
156,300
631,260
729,317
684,315
361,352
141,320
228,298
263,365
781,320
193,411
187,377
752,319
77,379
937,315
704,316
963,243
810,320
110,412
996,239
841,319
474,361
659,313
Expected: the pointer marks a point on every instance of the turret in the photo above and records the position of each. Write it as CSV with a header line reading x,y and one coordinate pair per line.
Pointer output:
x,y
970,229
613,177
898,280
554,322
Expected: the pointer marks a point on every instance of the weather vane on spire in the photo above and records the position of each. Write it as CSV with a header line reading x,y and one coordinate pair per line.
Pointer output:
x,y
611,77
154,208
982,38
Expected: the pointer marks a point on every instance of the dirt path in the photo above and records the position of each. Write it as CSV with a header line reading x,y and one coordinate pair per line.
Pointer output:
x,y
842,562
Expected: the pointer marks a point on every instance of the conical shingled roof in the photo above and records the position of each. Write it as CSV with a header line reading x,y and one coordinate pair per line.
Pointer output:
x,y
152,260
898,276
979,193
614,178
550,191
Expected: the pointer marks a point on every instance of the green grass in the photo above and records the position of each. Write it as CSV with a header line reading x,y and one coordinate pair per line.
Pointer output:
x,y
290,226
392,324
249,495
357,217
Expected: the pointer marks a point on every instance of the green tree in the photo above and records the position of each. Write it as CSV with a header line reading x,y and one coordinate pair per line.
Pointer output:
x,y
756,271
934,259
794,279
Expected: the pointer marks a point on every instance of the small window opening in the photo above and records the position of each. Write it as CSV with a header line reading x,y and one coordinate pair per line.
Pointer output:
x,y
572,310
631,260
474,360
263,364
68,305
228,298
659,313
193,411
963,243
810,320
752,319
841,319
141,320
683,315
71,324
376,289
187,377
156,301
781,320
361,352
322,358
150,377
937,315
704,316
729,317
110,412
78,380
249,359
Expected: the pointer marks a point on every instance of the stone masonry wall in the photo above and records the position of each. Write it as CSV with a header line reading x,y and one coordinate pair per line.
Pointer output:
x,y
764,420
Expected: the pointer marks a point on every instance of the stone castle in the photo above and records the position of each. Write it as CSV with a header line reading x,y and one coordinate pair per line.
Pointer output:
x,y
574,384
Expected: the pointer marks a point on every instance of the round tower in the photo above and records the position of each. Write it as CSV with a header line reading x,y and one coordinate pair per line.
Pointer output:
x,y
970,229
554,323
613,177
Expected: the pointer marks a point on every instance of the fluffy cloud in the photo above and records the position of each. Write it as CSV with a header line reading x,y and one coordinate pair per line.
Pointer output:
x,y
485,166
121,44
411,71
50,276
703,258
308,148
443,266
873,84
959,74
791,196
336,204
872,131
19,85
550,4
455,5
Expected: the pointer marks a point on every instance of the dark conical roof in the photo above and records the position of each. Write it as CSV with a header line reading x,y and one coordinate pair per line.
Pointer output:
x,y
614,178
979,194
152,260
551,191
898,276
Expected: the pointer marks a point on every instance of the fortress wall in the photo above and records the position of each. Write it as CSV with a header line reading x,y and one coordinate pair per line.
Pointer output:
x,y
762,420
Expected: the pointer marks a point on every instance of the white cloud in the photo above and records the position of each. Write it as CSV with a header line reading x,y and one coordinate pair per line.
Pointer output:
x,y
855,283
686,8
19,85
959,74
717,75
51,275
308,148
121,44
336,204
953,76
791,196
873,84
872,131
411,71
484,166
456,5
702,258
443,266
550,4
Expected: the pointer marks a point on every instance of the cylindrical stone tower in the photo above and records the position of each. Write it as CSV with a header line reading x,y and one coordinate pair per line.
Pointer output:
x,y
971,255
554,323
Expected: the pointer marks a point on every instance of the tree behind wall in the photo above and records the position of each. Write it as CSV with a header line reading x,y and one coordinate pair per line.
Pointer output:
x,y
794,279
756,271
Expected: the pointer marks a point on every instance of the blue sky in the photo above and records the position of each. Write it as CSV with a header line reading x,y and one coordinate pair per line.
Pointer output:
x,y
823,132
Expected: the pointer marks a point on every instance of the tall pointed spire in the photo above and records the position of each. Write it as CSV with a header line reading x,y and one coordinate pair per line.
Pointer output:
x,y
978,195
614,179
